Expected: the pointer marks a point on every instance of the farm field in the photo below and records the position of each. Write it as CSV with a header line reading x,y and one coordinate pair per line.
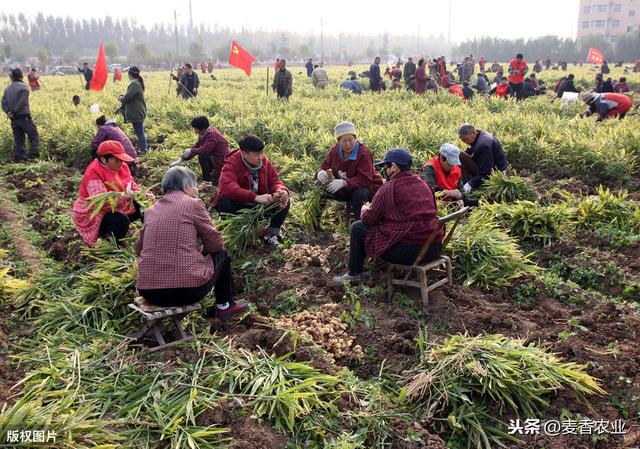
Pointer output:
x,y
542,322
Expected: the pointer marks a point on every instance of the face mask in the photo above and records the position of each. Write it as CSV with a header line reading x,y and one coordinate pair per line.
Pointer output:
x,y
384,174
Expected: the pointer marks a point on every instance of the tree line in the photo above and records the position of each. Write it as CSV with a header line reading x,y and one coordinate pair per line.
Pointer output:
x,y
63,38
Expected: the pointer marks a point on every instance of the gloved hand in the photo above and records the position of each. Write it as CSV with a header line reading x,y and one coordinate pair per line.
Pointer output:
x,y
466,188
322,177
336,185
186,154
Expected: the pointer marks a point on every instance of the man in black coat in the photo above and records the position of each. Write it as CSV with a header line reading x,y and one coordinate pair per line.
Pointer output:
x,y
486,154
567,86
88,74
375,79
409,69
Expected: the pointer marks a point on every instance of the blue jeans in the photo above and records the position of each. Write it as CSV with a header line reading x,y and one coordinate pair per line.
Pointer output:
x,y
138,128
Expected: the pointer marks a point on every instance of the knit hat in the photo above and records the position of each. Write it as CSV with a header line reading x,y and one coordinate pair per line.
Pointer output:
x,y
451,153
115,149
344,128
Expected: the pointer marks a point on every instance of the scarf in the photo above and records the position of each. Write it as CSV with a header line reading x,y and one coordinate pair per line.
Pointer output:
x,y
255,174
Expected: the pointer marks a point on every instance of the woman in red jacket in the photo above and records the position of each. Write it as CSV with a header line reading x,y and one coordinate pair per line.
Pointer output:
x,y
356,179
421,77
248,178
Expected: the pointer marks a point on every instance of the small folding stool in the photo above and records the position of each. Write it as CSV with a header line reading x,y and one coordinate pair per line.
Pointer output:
x,y
153,327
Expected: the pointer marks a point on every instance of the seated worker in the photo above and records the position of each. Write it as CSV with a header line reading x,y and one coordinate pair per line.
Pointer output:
x,y
486,155
607,105
467,91
443,174
319,77
621,86
567,85
351,162
402,216
181,254
503,89
106,173
211,149
109,130
248,178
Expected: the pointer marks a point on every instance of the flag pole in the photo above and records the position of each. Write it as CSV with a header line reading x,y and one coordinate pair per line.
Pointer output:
x,y
267,81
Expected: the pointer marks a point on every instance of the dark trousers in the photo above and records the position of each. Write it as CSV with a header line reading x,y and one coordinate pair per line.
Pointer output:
x,y
209,173
116,224
138,128
226,205
400,253
20,127
469,167
516,90
222,281
357,197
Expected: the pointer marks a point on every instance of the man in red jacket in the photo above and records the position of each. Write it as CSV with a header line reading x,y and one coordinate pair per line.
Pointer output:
x,y
355,179
402,216
248,178
517,70
211,149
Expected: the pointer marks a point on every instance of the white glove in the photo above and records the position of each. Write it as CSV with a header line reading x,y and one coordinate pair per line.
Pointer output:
x,y
176,163
466,188
322,177
336,185
128,189
186,154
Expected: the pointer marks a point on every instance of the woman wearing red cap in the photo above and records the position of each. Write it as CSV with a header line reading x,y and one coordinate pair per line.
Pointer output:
x,y
107,172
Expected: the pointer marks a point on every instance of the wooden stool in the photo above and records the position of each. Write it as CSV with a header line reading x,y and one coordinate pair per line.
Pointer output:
x,y
153,327
440,267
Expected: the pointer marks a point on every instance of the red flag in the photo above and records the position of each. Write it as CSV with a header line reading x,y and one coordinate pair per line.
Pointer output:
x,y
99,78
595,56
241,58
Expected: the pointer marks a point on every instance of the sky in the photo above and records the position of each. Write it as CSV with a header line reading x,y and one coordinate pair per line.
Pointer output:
x,y
507,19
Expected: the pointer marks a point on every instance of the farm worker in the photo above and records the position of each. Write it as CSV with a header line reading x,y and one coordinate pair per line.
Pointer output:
x,y
409,69
517,70
109,130
401,217
607,86
486,155
607,105
106,173
189,82
481,63
455,89
567,85
467,91
33,80
210,67
352,83
621,86
482,83
88,74
503,89
309,66
181,255
534,81
117,75
636,66
605,68
282,81
211,149
176,78
375,80
432,84
135,108
15,103
443,174
248,179
528,89
495,67
354,179
599,82
319,77
396,72
421,77
203,67
76,100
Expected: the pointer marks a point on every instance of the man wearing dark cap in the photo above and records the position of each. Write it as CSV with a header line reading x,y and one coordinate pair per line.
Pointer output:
x,y
402,216
15,103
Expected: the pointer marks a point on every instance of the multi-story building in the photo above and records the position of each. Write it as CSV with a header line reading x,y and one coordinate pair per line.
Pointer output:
x,y
609,19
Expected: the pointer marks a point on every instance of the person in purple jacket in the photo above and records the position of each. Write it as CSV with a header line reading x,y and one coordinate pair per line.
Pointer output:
x,y
109,130
211,149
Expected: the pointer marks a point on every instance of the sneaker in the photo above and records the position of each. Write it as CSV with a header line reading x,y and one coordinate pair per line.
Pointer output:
x,y
235,308
347,278
271,240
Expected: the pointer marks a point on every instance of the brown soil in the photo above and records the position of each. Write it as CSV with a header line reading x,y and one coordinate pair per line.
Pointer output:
x,y
23,247
247,431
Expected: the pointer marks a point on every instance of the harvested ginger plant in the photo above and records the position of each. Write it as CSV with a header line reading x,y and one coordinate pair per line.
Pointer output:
x,y
326,330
